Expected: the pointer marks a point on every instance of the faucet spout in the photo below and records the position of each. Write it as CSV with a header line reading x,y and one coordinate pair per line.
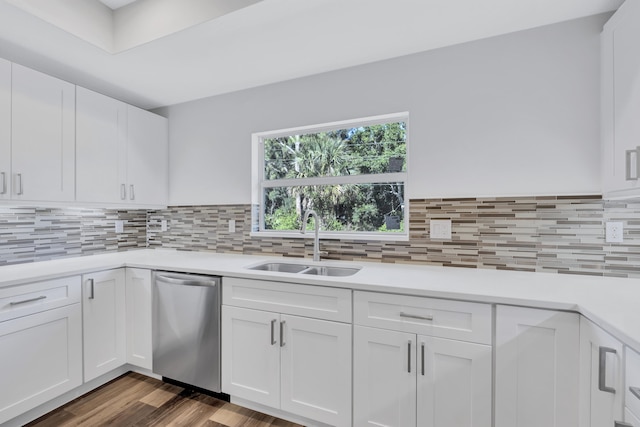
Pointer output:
x,y
316,238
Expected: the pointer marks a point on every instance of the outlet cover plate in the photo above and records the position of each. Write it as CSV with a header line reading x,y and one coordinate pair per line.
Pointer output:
x,y
614,232
440,229
119,226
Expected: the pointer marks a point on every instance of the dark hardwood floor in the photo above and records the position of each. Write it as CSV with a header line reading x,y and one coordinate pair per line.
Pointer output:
x,y
137,400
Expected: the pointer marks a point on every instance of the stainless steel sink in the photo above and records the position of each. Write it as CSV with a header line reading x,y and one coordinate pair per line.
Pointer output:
x,y
316,270
330,271
280,267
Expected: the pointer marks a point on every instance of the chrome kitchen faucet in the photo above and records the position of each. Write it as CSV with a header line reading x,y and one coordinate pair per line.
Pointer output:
x,y
316,238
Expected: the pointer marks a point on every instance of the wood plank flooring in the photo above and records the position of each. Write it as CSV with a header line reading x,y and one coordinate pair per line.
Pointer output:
x,y
137,400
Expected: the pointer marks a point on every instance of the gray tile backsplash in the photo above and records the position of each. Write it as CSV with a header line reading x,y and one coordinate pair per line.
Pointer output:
x,y
30,234
538,234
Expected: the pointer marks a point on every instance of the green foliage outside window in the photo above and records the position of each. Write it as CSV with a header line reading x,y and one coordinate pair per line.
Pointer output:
x,y
366,150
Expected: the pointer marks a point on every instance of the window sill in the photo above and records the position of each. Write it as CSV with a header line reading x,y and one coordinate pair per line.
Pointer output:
x,y
380,237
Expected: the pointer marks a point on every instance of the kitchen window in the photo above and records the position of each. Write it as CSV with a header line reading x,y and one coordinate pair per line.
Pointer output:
x,y
352,173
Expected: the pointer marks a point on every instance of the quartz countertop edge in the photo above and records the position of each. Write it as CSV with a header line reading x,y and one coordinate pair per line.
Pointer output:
x,y
610,302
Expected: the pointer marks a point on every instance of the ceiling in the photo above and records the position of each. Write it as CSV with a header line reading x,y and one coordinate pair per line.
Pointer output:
x,y
116,4
270,41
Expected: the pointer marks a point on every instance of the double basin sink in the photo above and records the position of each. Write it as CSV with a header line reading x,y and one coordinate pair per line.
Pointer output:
x,y
316,270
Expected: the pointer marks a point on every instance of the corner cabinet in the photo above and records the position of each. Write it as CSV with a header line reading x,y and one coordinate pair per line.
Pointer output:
x,y
288,347
103,318
5,129
411,367
620,103
601,388
122,152
139,317
537,369
42,137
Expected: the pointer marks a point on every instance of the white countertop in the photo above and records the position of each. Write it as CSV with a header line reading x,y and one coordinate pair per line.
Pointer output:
x,y
612,303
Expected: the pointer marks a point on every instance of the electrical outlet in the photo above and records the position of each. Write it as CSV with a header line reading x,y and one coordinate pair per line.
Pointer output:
x,y
232,226
440,229
163,225
119,226
614,232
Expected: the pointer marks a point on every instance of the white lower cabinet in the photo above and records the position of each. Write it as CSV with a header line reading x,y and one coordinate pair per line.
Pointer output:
x,y
632,388
103,318
601,388
280,358
138,315
40,344
292,363
536,368
403,378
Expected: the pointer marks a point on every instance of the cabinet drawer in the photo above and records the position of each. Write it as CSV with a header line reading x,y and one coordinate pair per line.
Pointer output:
x,y
288,298
22,300
457,320
632,380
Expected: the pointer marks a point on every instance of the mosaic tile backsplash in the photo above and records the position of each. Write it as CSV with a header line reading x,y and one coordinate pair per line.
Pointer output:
x,y
541,234
30,234
537,234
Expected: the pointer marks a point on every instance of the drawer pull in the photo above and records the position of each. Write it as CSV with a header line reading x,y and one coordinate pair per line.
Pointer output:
x,y
415,316
92,291
282,343
273,332
27,300
602,372
621,424
635,391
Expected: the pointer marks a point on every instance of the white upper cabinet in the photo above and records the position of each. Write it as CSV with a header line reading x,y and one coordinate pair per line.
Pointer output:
x,y
5,129
147,157
122,152
621,103
101,147
42,137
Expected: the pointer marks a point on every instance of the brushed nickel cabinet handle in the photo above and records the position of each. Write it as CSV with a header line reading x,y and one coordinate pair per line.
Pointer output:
x,y
422,359
27,300
621,424
415,316
20,187
409,357
132,195
602,370
628,175
92,294
4,183
123,192
282,343
273,332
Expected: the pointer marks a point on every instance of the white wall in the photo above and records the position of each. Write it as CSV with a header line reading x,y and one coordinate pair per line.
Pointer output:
x,y
510,115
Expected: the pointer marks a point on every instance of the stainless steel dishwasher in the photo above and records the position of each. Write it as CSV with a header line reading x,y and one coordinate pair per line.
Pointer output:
x,y
186,328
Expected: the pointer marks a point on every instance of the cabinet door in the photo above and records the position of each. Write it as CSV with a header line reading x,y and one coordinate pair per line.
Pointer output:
x,y
103,315
5,129
384,378
621,102
147,157
40,358
601,388
138,307
43,137
101,150
316,369
536,380
251,355
454,383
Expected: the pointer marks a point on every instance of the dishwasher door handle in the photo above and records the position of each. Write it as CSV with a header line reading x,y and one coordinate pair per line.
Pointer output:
x,y
185,282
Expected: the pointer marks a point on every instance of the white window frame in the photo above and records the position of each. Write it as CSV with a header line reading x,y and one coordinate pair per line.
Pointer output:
x,y
259,184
